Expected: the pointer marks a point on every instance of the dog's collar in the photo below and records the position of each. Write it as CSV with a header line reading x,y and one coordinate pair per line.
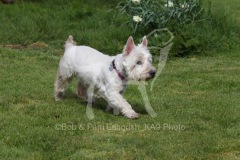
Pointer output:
x,y
117,71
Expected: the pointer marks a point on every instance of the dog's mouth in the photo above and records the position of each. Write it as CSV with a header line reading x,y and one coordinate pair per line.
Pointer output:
x,y
147,75
145,78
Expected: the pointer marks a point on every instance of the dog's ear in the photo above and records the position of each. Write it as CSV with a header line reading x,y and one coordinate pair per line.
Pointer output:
x,y
144,41
69,42
129,46
70,39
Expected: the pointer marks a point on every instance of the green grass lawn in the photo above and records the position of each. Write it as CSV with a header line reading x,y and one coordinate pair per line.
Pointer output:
x,y
196,97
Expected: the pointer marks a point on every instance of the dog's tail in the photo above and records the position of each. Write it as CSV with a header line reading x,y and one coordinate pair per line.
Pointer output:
x,y
69,42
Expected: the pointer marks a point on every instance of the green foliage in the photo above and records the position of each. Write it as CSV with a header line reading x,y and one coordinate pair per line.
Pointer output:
x,y
194,30
28,21
156,15
176,15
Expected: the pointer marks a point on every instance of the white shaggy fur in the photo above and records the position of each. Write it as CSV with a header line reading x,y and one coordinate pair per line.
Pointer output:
x,y
97,76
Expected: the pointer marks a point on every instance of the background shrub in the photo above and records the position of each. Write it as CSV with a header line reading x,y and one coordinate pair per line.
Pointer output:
x,y
195,27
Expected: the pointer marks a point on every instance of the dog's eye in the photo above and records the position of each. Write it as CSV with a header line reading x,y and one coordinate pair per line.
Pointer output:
x,y
139,62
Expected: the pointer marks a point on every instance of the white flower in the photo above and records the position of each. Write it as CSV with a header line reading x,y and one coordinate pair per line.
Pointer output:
x,y
184,5
136,1
137,19
169,4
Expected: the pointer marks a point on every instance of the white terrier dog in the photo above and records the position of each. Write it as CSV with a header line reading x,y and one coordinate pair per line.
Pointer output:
x,y
104,75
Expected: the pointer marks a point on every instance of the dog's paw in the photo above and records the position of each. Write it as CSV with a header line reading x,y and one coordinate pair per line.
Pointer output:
x,y
131,114
134,116
57,99
58,96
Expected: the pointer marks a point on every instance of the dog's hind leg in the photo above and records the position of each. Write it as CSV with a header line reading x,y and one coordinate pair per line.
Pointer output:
x,y
82,92
61,84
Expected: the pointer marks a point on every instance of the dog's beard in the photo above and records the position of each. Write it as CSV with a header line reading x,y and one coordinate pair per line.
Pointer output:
x,y
138,75
145,76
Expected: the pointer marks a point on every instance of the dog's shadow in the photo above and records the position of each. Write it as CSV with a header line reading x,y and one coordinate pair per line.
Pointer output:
x,y
100,104
139,107
97,104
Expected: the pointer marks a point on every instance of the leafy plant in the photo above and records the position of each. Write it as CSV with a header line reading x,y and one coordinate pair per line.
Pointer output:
x,y
151,14
148,15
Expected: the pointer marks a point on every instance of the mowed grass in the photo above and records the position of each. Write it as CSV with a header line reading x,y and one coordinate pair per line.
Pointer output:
x,y
196,98
51,22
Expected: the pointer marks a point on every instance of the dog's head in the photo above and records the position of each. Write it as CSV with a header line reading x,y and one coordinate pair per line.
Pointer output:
x,y
137,60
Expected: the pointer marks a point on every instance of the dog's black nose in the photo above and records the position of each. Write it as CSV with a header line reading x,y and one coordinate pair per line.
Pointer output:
x,y
152,73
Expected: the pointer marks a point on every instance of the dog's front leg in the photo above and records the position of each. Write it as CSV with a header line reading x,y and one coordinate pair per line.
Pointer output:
x,y
112,109
116,100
